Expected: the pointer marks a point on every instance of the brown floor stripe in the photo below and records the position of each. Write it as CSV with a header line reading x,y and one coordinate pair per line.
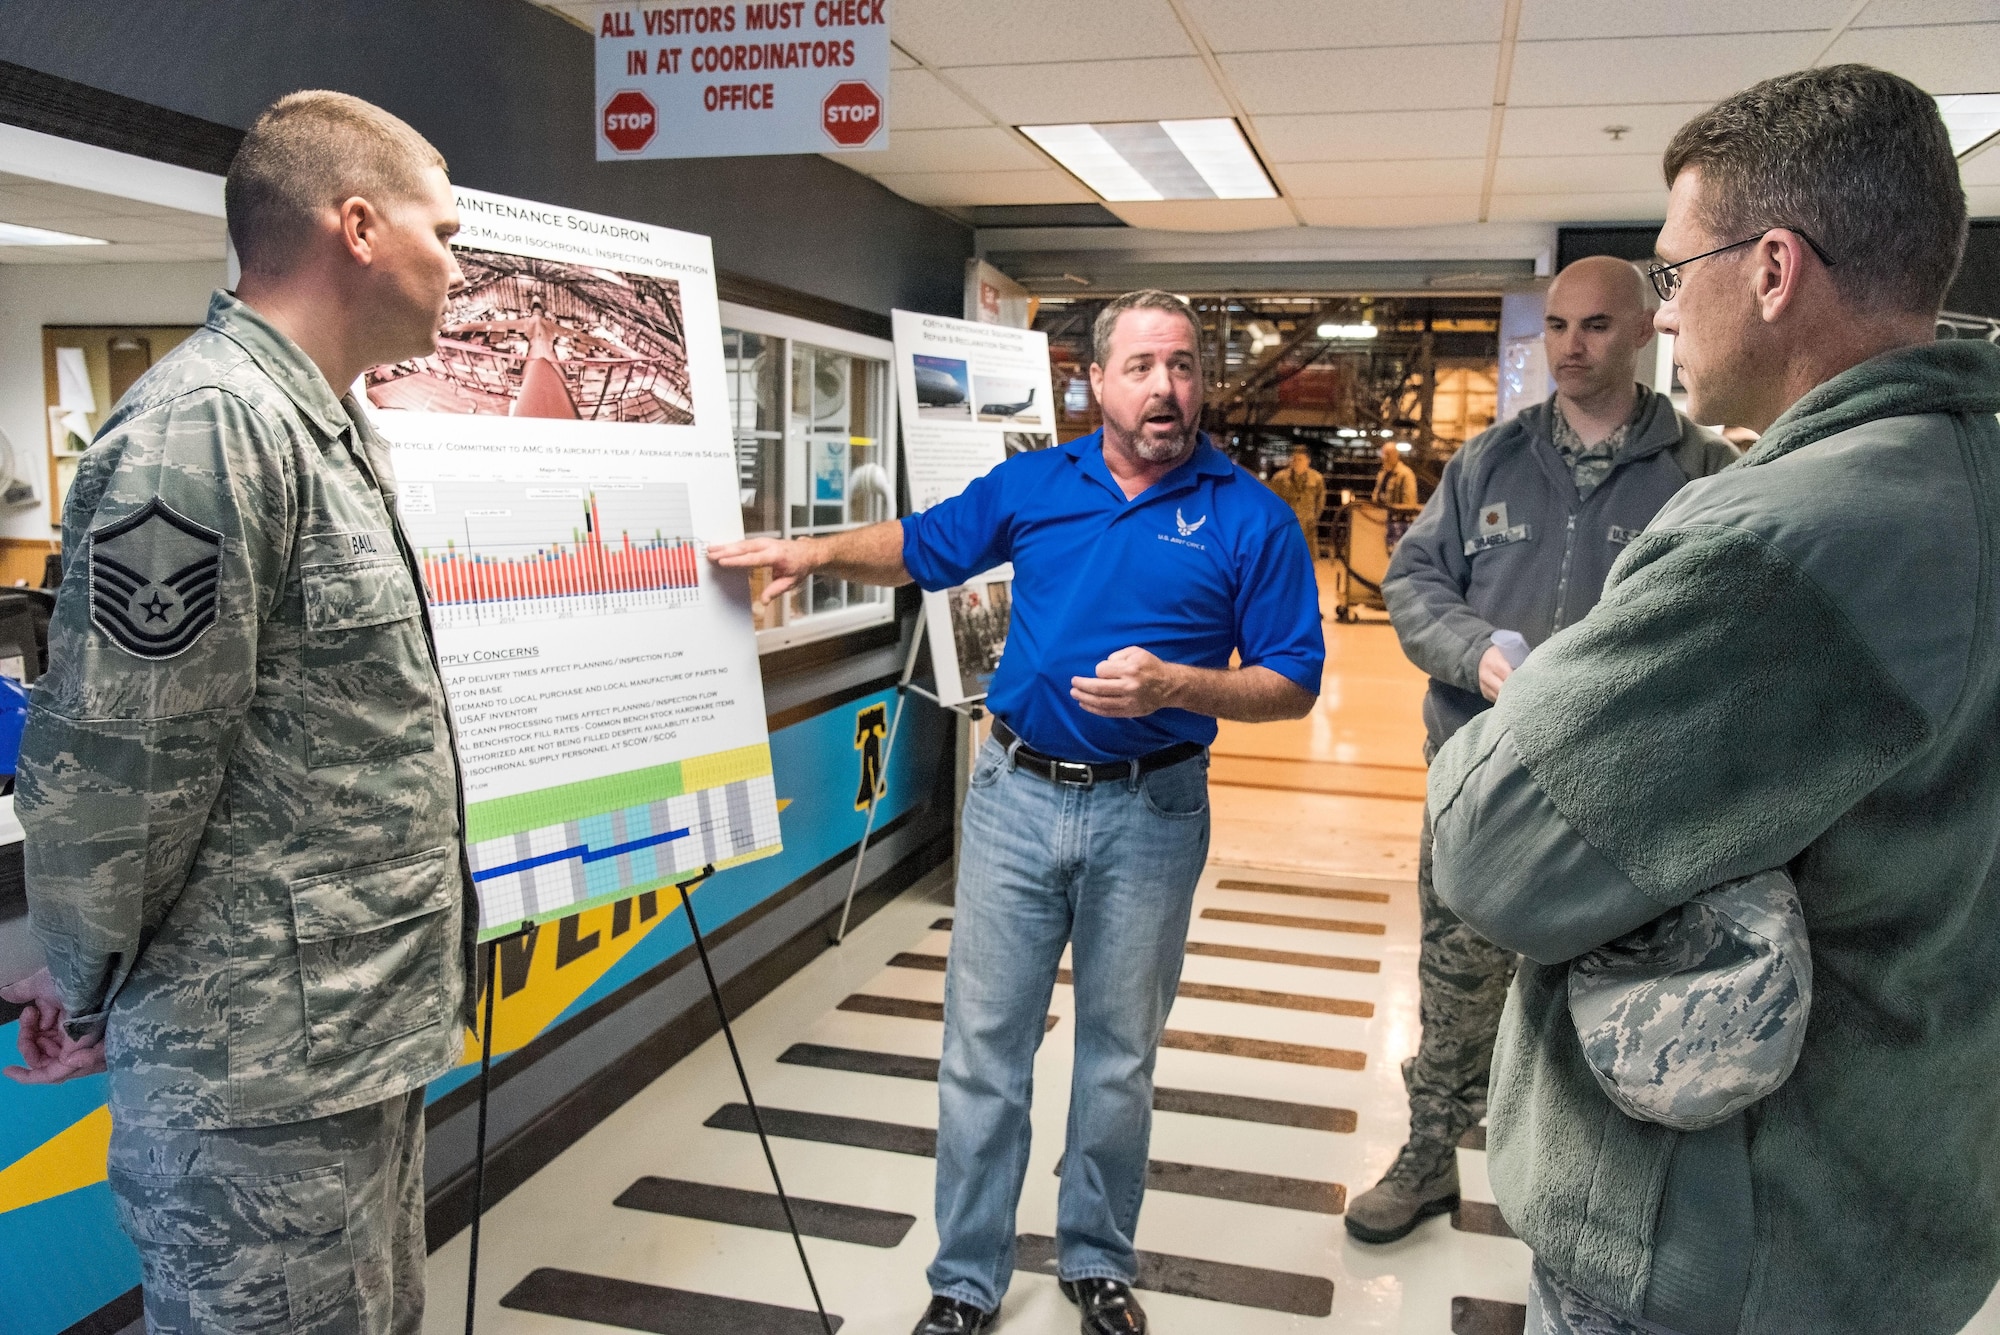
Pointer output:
x,y
1228,1184
907,1009
1194,1102
941,925
619,1302
1293,920
1473,1139
1246,996
863,1133
1483,1316
1187,1277
1303,960
1480,1217
1299,1054
1238,1108
762,1209
1309,891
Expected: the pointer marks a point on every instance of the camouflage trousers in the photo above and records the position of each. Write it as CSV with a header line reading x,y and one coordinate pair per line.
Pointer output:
x,y
1462,981
307,1227
1555,1308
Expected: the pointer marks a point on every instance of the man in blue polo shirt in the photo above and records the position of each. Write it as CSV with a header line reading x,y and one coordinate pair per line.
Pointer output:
x,y
1143,561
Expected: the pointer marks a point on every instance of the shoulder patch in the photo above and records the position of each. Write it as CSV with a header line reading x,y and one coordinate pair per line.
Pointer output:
x,y
153,580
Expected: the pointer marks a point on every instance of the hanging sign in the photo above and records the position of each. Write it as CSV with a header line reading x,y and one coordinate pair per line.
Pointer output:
x,y
735,80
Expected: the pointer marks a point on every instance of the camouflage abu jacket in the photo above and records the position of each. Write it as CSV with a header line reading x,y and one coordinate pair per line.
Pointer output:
x,y
244,853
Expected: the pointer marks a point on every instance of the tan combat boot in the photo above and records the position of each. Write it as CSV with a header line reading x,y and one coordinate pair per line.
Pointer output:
x,y
1422,1182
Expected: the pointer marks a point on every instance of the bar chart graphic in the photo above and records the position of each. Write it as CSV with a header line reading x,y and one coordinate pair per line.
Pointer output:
x,y
496,552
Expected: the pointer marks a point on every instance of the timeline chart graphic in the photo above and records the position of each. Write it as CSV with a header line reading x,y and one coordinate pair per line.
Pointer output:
x,y
495,552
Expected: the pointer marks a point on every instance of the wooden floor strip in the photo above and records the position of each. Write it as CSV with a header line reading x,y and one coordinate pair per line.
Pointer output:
x,y
1307,891
762,1209
1193,1102
1230,1045
1293,920
1244,996
1302,959
862,1133
907,1008
1215,1281
1480,1217
647,1307
1484,1316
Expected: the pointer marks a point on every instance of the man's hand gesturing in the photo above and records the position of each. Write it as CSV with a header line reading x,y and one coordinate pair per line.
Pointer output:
x,y
52,1056
790,560
1130,684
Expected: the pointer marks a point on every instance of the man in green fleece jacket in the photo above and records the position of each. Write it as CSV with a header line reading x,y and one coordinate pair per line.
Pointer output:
x,y
1797,665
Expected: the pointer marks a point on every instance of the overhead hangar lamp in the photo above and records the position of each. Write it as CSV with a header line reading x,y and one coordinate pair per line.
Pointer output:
x,y
1346,331
1128,161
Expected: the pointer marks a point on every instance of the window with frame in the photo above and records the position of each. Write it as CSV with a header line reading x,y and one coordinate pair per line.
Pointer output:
x,y
812,411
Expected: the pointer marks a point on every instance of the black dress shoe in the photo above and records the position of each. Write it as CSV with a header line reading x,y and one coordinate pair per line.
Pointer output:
x,y
1107,1305
949,1316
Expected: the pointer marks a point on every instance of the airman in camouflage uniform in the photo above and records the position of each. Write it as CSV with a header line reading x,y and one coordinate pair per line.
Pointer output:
x,y
244,842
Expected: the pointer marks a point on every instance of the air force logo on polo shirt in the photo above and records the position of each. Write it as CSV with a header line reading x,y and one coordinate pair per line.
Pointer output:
x,y
152,580
1187,531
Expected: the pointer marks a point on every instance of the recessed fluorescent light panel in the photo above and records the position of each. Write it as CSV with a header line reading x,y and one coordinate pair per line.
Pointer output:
x,y
1970,119
1125,161
1346,331
13,234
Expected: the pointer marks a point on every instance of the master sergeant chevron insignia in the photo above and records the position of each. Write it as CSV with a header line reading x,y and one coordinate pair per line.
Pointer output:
x,y
152,580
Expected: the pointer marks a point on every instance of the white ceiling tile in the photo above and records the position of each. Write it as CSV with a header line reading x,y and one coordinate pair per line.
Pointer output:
x,y
1287,25
1543,20
1095,90
1208,215
1652,69
1634,206
984,149
917,101
1961,59
898,60
965,189
1539,131
1361,180
1911,13
1597,173
1983,201
1400,78
978,32
1379,135
1984,169
1428,211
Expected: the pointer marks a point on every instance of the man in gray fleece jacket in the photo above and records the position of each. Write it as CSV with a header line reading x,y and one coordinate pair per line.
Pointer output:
x,y
1797,665
1518,537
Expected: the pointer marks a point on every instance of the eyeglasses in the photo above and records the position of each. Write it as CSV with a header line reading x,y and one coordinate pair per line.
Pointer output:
x,y
1667,279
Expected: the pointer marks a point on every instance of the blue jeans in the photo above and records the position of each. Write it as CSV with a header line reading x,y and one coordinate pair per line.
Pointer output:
x,y
1110,869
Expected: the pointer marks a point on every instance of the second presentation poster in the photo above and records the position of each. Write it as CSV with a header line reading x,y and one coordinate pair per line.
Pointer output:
x,y
562,463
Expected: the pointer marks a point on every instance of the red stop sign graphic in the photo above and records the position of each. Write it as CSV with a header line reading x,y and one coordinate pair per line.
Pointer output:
x,y
851,114
630,121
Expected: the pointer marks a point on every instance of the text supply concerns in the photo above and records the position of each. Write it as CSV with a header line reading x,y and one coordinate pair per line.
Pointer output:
x,y
737,80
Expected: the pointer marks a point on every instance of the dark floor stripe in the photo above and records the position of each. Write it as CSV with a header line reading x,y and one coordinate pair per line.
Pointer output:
x,y
1483,1316
762,1209
1473,1139
1216,950
1480,1217
1238,1108
908,1009
1216,1281
1245,996
892,1064
1229,1045
1294,920
1194,1102
619,1302
1229,1184
1310,891
863,1133
941,925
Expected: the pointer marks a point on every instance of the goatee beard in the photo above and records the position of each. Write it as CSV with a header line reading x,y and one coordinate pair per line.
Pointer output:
x,y
1162,451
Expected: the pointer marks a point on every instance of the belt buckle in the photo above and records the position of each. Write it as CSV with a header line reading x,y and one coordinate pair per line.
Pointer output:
x,y
1073,773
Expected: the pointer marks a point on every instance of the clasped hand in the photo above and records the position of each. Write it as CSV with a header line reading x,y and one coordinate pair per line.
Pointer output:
x,y
1130,684
52,1056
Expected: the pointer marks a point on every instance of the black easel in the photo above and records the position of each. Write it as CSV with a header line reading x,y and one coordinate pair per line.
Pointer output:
x,y
742,1077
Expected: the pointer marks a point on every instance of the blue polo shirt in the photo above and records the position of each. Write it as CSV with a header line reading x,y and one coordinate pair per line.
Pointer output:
x,y
1205,562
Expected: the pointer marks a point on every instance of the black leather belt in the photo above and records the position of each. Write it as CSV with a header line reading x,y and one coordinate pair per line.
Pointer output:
x,y
1084,773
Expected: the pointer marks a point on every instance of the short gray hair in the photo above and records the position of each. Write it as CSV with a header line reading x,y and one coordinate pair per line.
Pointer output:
x,y
1856,157
1146,299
